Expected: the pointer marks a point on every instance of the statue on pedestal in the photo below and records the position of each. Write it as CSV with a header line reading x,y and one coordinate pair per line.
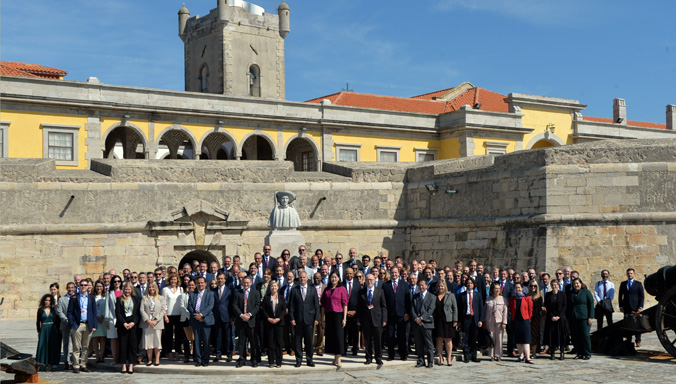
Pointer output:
x,y
284,214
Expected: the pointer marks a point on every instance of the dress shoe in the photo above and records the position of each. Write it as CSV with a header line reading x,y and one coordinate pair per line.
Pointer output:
x,y
638,345
76,370
587,357
229,358
85,369
466,361
310,364
367,362
404,358
419,365
216,359
254,364
475,360
320,354
205,363
529,361
379,363
430,365
390,358
239,364
297,365
198,364
577,357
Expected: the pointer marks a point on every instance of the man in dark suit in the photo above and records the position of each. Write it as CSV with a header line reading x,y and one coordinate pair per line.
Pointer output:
x,y
142,287
422,323
200,307
351,328
253,275
340,267
227,266
304,315
372,314
352,259
269,262
233,281
398,307
289,334
82,319
631,298
245,306
222,319
470,308
478,278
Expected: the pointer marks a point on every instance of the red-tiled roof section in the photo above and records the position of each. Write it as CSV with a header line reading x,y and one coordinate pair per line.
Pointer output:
x,y
490,101
432,95
32,70
9,71
632,123
391,103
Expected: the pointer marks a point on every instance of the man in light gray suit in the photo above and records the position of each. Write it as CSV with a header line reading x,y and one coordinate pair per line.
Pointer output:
x,y
62,312
422,311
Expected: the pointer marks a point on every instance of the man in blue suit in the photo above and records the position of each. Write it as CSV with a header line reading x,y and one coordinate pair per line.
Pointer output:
x,y
632,298
82,318
398,307
222,318
200,307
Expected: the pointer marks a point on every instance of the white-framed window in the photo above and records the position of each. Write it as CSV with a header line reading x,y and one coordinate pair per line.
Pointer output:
x,y
425,154
60,142
495,147
388,153
348,152
4,133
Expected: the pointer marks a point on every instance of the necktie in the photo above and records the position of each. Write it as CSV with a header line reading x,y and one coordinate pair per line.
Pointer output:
x,y
370,296
302,292
471,308
198,305
143,290
246,298
395,287
412,291
605,293
349,288
220,293
629,285
286,292
502,285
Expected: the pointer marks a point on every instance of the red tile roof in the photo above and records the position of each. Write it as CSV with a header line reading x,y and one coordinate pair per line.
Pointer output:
x,y
13,68
433,95
632,123
490,101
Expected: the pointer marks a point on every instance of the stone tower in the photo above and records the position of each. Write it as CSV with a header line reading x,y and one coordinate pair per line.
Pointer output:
x,y
237,49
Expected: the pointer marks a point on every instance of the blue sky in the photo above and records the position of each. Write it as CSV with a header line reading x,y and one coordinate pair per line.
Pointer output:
x,y
591,50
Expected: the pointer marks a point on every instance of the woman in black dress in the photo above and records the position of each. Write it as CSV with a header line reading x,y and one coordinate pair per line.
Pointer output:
x,y
521,307
555,325
273,310
128,315
445,321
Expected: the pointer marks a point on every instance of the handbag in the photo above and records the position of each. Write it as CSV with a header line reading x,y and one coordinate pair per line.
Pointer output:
x,y
607,305
485,339
637,322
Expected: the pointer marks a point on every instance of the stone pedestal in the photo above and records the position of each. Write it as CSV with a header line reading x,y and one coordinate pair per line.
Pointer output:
x,y
281,239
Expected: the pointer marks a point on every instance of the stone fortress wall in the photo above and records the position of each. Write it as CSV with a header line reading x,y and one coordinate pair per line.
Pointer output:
x,y
597,205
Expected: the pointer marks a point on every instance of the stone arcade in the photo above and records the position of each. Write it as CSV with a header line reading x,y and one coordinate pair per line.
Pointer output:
x,y
605,204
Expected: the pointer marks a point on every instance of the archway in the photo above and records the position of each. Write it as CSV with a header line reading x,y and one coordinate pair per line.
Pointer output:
x,y
544,140
257,147
542,144
124,143
218,146
303,154
175,144
199,256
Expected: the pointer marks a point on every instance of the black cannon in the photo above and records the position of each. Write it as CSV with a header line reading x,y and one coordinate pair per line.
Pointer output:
x,y
662,285
660,318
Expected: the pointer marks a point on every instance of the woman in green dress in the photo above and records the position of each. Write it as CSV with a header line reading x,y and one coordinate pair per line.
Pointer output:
x,y
47,323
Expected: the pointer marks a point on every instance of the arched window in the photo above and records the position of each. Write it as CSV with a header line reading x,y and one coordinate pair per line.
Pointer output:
x,y
254,81
204,79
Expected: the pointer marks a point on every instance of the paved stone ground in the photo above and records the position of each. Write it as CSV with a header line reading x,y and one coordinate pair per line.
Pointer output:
x,y
651,364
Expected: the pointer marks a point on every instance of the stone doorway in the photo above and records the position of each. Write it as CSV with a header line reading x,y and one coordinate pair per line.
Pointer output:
x,y
303,155
200,256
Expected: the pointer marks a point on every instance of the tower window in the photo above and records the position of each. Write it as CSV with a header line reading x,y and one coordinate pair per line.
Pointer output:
x,y
204,79
254,81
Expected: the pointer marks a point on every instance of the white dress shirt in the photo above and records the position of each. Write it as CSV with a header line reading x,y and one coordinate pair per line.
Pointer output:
x,y
598,291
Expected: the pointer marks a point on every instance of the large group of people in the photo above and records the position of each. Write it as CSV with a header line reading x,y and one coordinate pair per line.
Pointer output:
x,y
303,306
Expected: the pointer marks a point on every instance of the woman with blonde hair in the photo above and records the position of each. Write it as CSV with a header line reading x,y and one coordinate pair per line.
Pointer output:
x,y
153,309
445,321
127,311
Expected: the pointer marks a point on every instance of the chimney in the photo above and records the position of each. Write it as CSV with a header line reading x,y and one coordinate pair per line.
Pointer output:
x,y
619,111
671,116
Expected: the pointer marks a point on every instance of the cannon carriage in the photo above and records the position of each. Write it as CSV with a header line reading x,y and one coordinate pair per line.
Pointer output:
x,y
660,318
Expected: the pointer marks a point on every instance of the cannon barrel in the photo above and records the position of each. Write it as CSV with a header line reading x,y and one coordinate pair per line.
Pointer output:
x,y
660,281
